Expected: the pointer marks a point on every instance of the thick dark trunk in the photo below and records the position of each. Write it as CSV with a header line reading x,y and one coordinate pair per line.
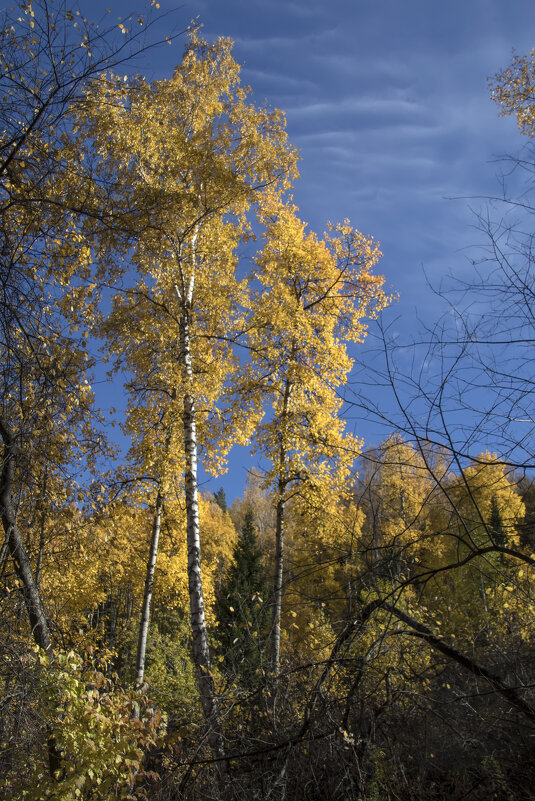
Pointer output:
x,y
15,544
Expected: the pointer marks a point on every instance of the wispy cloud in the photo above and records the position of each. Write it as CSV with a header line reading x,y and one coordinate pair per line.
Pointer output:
x,y
278,81
370,107
261,44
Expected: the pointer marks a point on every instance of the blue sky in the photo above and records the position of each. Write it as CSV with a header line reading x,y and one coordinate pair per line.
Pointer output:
x,y
388,104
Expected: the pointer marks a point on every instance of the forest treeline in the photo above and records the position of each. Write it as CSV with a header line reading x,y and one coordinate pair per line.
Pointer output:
x,y
360,624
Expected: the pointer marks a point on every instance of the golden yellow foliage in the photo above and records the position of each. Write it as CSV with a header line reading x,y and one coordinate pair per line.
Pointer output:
x,y
471,599
95,568
314,296
323,532
513,89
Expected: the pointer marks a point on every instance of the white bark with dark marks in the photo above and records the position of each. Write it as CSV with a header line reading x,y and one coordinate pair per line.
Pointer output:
x,y
201,651
147,595
278,582
279,535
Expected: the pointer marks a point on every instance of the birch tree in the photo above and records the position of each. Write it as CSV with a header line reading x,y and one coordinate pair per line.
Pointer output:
x,y
314,297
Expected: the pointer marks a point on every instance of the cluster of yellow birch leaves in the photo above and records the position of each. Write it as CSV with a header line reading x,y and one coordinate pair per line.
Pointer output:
x,y
512,90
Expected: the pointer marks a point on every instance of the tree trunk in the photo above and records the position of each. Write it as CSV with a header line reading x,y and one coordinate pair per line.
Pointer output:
x,y
147,595
279,534
201,653
4,553
15,543
277,584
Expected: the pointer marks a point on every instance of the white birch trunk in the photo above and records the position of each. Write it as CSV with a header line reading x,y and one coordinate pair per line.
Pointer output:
x,y
147,595
277,583
201,652
279,537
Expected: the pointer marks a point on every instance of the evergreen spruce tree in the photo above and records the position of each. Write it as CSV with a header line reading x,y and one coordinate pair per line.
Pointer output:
x,y
243,610
496,527
220,499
